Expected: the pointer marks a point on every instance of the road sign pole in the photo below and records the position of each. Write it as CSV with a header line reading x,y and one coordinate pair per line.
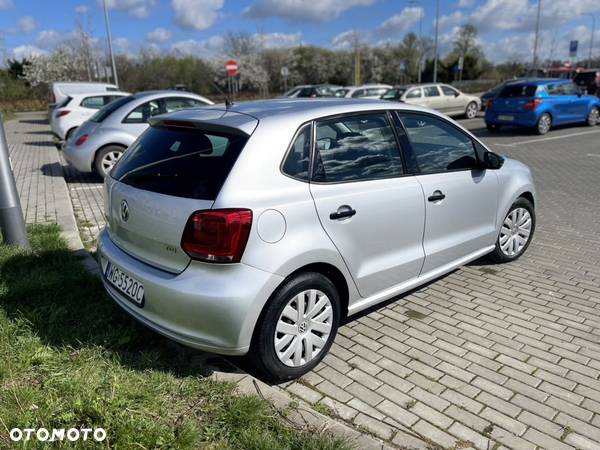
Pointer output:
x,y
12,224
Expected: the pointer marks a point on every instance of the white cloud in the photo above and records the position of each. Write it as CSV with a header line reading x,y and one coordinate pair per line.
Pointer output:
x,y
159,35
298,10
402,22
191,47
136,8
195,14
465,3
451,20
27,51
347,40
27,24
82,9
5,4
49,39
278,40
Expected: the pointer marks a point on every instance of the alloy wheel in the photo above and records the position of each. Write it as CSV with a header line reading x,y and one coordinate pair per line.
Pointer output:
x,y
109,160
593,117
515,232
303,328
471,110
544,124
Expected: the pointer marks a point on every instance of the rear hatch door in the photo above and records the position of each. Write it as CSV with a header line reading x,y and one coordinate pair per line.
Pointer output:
x,y
513,97
175,168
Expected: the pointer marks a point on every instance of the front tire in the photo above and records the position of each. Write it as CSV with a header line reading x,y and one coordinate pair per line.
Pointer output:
x,y
297,327
516,232
544,124
471,111
106,158
593,117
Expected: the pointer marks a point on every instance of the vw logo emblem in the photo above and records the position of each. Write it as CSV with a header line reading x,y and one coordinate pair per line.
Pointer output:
x,y
124,211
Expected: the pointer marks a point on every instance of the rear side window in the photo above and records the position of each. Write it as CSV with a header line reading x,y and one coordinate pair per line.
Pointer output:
x,y
431,91
296,163
518,90
106,111
93,102
354,148
180,162
177,103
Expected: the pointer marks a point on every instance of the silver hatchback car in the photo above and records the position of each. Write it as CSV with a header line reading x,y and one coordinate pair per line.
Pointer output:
x,y
256,228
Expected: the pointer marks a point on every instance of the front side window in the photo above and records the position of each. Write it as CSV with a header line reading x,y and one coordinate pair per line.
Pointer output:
x,y
358,93
569,89
178,103
297,161
354,148
431,91
414,93
437,145
142,113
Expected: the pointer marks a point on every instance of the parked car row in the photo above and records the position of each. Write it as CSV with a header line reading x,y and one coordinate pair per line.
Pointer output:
x,y
94,123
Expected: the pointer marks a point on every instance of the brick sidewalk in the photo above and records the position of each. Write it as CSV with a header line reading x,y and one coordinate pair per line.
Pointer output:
x,y
490,356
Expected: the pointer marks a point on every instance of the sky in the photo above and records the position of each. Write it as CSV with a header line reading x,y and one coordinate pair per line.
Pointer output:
x,y
506,27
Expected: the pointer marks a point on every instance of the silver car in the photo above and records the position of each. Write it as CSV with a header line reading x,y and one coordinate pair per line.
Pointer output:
x,y
441,97
256,228
100,141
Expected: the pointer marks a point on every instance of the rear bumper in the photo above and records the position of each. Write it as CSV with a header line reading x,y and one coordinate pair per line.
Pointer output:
x,y
207,306
80,157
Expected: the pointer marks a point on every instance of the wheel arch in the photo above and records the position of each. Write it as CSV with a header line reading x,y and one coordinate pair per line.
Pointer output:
x,y
102,147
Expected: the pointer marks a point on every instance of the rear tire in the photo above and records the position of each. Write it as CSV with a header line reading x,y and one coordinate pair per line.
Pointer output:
x,y
106,158
286,345
544,124
515,233
593,117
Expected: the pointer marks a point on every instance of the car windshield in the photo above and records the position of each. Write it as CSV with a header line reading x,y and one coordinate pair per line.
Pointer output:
x,y
518,90
181,162
391,94
103,113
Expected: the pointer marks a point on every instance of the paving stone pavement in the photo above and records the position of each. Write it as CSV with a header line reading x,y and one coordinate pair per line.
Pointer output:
x,y
489,356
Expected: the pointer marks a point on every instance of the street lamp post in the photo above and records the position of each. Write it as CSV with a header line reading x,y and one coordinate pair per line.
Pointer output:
x,y
537,32
593,16
110,48
435,44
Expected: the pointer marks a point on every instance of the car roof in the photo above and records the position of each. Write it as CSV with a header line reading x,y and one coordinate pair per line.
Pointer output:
x,y
97,93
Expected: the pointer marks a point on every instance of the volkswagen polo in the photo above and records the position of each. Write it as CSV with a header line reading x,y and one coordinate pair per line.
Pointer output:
x,y
256,228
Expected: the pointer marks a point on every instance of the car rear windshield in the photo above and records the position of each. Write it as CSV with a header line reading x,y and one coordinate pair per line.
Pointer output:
x,y
106,111
181,162
518,90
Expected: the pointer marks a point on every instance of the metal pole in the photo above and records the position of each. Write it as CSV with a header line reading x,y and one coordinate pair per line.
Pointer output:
x,y
110,48
537,32
435,45
12,224
589,63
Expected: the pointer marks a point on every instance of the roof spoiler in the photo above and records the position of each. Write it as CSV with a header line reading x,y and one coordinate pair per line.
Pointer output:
x,y
195,125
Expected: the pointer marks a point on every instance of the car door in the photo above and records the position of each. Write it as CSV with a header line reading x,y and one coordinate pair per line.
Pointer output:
x,y
452,100
433,98
370,208
578,104
460,199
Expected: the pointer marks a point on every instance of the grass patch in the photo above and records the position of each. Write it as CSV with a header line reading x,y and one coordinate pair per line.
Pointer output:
x,y
71,358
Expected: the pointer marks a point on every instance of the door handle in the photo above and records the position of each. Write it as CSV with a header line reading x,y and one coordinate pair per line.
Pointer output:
x,y
436,196
342,213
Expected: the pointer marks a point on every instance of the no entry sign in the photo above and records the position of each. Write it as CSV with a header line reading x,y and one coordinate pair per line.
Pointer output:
x,y
231,67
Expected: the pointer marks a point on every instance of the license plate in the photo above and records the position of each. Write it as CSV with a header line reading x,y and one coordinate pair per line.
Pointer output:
x,y
129,286
507,118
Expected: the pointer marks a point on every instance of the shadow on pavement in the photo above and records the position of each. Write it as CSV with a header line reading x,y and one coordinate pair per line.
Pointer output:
x,y
52,170
39,144
34,121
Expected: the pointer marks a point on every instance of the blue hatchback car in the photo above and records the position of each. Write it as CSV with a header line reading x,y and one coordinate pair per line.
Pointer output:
x,y
541,104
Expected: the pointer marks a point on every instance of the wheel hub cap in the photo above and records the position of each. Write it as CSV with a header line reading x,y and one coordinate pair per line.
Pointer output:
x,y
303,328
515,232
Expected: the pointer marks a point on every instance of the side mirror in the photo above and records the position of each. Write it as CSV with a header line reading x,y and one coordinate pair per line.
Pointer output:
x,y
492,160
456,94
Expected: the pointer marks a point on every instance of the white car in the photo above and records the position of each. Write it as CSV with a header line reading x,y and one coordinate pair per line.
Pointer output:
x,y
76,109
441,97
60,90
373,91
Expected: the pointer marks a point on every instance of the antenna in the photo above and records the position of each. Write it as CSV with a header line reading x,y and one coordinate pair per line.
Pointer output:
x,y
228,102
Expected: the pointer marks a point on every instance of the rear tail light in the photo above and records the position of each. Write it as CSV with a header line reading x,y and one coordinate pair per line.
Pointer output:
x,y
62,113
217,235
81,139
532,104
489,104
